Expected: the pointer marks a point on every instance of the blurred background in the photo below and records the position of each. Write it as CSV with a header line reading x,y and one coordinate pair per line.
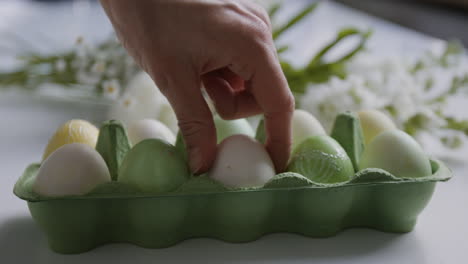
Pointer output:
x,y
445,19
56,53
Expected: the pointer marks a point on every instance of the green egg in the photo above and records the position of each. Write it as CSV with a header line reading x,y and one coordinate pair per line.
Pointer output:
x,y
154,166
180,145
224,129
322,160
398,153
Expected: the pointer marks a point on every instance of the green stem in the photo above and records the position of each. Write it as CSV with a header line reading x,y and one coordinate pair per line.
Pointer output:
x,y
273,10
298,17
342,35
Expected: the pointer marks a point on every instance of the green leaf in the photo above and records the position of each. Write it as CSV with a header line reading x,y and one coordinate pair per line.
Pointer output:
x,y
454,47
273,10
391,110
19,78
282,49
417,67
414,124
452,142
293,21
461,126
317,71
458,83
342,35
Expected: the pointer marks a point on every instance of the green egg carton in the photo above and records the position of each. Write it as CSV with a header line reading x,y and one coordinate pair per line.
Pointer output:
x,y
118,213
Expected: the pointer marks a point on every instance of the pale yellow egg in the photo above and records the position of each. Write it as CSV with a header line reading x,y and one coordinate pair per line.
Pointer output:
x,y
73,131
373,123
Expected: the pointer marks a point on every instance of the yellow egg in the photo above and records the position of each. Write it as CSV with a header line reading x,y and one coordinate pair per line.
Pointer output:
x,y
73,131
373,123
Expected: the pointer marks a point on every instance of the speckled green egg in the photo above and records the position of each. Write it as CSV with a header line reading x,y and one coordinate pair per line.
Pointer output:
x,y
322,160
154,166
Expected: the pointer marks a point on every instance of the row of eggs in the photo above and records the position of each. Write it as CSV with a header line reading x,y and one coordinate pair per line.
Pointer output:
x,y
72,166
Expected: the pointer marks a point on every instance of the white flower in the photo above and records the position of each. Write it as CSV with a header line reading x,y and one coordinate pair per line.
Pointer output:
x,y
111,89
79,40
123,109
386,84
101,55
434,146
111,71
327,100
86,78
98,67
60,65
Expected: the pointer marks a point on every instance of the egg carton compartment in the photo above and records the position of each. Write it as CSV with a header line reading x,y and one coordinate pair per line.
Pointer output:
x,y
116,213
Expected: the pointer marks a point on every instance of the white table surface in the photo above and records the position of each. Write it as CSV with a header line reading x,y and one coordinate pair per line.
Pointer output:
x,y
440,236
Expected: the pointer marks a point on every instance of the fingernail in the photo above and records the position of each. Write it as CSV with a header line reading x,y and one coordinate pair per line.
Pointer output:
x,y
196,160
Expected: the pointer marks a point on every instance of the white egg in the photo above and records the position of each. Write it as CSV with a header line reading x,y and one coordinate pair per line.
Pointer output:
x,y
149,128
168,117
373,123
304,125
241,161
73,169
398,153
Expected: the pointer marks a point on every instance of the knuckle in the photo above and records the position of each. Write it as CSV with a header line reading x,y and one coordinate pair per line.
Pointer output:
x,y
262,32
282,104
286,104
251,30
289,103
265,17
193,129
260,41
243,69
232,5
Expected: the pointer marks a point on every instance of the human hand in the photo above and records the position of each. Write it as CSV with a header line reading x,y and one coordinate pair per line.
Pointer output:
x,y
224,44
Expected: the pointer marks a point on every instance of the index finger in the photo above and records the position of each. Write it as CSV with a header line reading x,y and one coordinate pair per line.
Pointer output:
x,y
268,85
